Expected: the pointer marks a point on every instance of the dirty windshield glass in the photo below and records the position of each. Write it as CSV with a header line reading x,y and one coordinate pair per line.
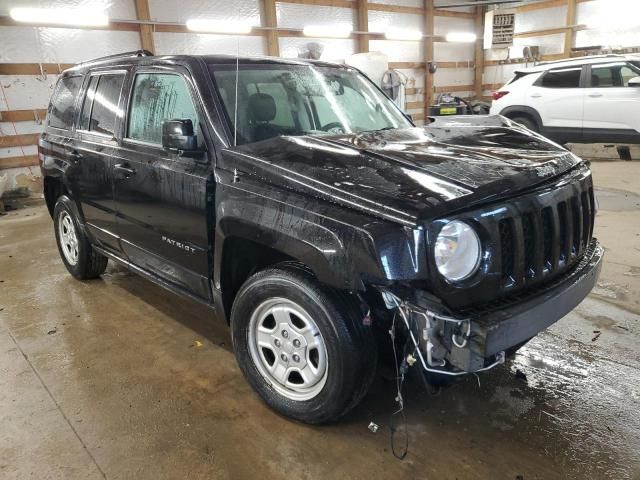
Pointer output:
x,y
276,100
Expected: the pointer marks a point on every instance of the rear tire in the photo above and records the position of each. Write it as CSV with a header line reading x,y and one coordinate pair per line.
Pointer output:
x,y
81,260
324,364
527,122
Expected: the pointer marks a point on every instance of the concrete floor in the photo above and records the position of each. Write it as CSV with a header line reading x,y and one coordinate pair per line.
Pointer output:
x,y
118,378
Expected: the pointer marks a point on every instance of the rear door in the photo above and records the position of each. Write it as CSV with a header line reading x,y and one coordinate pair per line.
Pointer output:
x,y
611,106
559,100
161,196
93,151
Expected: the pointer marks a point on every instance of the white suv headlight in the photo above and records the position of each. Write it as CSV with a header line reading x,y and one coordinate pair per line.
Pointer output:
x,y
457,251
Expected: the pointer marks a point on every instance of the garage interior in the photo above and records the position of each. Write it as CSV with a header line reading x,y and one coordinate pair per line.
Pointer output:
x,y
118,378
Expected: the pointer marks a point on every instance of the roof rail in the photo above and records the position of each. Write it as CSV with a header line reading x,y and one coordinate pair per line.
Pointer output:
x,y
135,53
577,59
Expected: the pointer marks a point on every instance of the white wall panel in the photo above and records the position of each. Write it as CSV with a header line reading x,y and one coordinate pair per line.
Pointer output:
x,y
453,76
444,25
18,151
27,92
292,15
205,44
21,128
383,21
415,78
404,3
539,19
122,9
500,73
64,45
613,23
454,52
180,11
398,51
19,45
549,44
335,49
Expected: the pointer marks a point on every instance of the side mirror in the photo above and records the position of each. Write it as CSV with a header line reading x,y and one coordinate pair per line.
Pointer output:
x,y
177,135
634,82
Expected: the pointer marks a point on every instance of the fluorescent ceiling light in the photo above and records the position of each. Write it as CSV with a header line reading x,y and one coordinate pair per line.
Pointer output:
x,y
414,35
218,26
60,16
461,37
334,31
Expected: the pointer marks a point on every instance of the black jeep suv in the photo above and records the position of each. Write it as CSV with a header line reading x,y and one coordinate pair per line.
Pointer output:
x,y
297,201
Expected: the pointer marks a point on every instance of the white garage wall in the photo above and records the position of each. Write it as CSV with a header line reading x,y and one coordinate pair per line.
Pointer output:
x,y
613,23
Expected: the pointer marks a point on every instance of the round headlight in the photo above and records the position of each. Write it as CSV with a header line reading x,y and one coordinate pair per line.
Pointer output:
x,y
457,251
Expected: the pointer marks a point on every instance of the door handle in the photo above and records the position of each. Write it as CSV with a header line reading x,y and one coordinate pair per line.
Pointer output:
x,y
124,170
536,95
75,157
595,94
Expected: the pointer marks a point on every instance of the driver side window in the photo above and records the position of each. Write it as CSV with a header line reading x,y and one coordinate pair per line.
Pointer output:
x,y
157,97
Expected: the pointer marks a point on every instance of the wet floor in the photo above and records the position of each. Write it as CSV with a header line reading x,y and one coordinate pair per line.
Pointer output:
x,y
118,378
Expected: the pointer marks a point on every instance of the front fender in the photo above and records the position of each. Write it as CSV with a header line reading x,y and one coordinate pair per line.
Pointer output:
x,y
343,248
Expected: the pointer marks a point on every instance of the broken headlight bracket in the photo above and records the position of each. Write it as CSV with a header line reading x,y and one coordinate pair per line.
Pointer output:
x,y
392,302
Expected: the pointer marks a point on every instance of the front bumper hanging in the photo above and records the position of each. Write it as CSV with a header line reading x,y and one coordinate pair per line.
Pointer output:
x,y
455,345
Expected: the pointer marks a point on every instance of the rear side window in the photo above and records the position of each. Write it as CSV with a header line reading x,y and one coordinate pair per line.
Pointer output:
x,y
104,96
158,97
562,78
517,76
62,108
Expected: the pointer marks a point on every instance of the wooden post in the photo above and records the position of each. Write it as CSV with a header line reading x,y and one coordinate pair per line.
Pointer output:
x,y
270,20
146,31
428,53
479,53
363,26
569,33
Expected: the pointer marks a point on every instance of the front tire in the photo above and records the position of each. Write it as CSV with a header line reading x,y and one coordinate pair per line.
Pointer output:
x,y
527,122
81,260
301,346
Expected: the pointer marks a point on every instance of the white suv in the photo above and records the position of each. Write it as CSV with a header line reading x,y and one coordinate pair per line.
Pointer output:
x,y
589,99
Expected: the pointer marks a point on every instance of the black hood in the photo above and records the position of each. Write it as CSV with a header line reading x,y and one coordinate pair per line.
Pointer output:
x,y
409,174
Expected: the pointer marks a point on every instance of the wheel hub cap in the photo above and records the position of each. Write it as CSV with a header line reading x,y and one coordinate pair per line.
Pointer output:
x,y
68,238
287,348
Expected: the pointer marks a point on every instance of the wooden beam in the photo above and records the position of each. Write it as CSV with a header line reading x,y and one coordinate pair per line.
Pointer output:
x,y
550,31
7,141
569,33
17,162
323,3
479,51
439,12
270,20
412,91
33,68
23,115
383,7
363,25
428,30
146,31
541,5
414,105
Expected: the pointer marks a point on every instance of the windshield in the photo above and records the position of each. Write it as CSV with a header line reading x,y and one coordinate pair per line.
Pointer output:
x,y
296,100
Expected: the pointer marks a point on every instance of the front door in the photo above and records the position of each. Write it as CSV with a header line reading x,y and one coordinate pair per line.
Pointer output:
x,y
161,196
558,98
611,106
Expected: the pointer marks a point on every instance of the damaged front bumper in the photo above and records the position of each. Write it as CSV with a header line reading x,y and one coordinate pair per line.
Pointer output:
x,y
456,345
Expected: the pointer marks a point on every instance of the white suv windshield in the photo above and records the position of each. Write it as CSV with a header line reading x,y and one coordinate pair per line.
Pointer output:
x,y
276,100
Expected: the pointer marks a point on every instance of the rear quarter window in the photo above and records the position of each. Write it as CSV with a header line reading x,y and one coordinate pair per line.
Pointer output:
x,y
62,110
